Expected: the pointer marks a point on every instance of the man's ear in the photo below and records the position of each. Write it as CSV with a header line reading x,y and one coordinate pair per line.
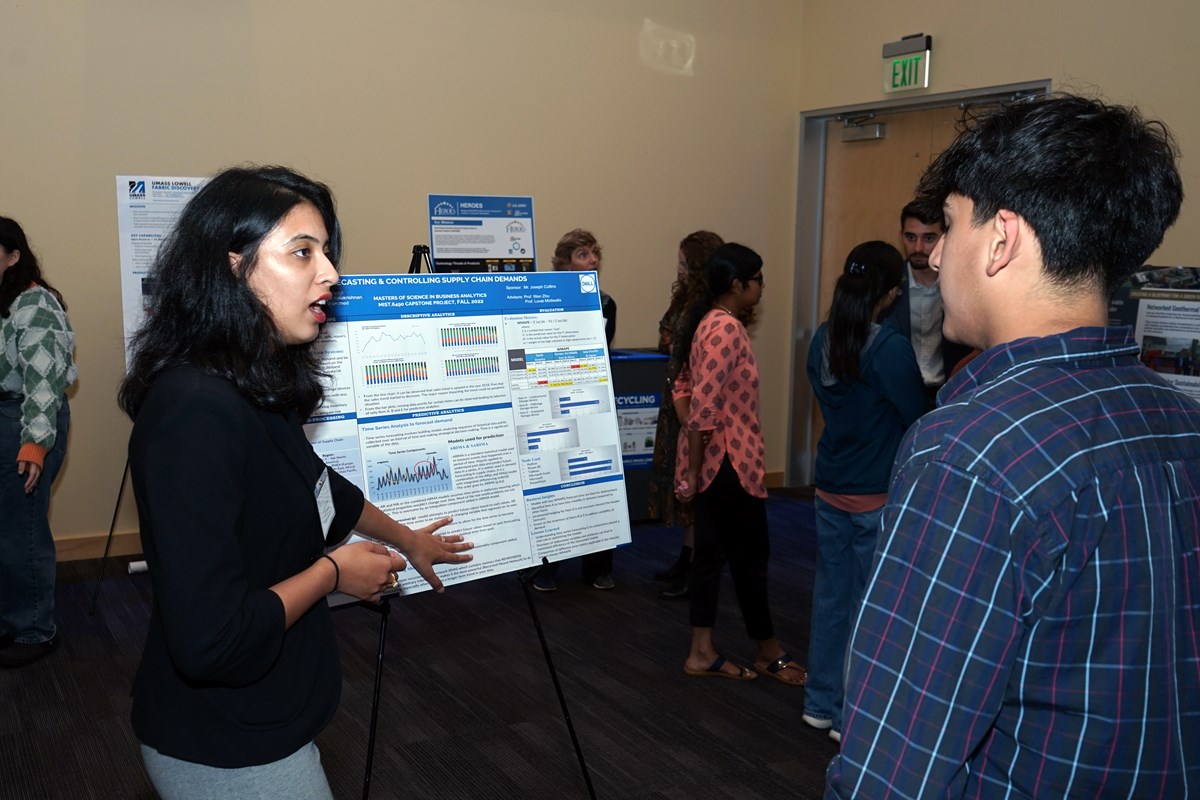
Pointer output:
x,y
1006,240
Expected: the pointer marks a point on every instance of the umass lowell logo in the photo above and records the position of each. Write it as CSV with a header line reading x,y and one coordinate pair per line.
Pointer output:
x,y
137,190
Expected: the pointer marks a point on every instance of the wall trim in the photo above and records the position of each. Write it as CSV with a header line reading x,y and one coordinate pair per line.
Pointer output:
x,y
78,548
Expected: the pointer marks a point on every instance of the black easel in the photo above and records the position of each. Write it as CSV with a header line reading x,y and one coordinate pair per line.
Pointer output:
x,y
383,608
112,526
420,252
526,576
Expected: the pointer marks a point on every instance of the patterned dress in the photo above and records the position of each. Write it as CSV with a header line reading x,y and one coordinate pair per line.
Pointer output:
x,y
662,503
724,392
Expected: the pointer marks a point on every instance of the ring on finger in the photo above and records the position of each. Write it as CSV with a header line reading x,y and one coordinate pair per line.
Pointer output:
x,y
393,580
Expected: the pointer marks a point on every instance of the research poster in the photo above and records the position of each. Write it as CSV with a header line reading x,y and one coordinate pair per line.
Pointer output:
x,y
481,233
147,207
1162,304
483,396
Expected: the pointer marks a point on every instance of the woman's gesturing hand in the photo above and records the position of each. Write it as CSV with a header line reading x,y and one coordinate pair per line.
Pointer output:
x,y
366,569
429,547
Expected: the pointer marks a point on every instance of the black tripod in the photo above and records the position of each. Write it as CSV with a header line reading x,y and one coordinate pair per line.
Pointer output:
x,y
420,251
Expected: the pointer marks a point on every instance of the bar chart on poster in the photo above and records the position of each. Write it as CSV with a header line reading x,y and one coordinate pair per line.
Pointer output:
x,y
485,397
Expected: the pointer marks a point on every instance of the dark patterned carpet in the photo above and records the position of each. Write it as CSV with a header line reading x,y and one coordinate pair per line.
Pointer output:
x,y
468,708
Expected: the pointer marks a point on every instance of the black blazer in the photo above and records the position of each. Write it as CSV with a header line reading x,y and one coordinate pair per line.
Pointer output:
x,y
608,308
225,497
899,314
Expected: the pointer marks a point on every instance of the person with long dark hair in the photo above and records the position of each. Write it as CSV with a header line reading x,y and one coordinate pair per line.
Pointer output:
x,y
690,285
870,390
240,669
36,366
725,471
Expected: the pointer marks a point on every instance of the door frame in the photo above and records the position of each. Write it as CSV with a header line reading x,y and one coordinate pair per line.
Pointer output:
x,y
809,222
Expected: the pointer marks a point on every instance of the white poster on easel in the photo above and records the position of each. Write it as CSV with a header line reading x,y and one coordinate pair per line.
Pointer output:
x,y
486,397
147,208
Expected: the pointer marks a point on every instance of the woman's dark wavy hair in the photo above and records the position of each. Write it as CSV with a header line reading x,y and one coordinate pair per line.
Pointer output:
x,y
204,312
1097,183
20,275
729,262
685,292
871,271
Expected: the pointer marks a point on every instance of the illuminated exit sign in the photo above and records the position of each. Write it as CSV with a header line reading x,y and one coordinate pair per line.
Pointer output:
x,y
906,63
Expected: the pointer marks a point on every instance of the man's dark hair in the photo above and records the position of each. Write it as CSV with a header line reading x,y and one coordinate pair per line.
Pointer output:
x,y
1097,183
206,314
925,214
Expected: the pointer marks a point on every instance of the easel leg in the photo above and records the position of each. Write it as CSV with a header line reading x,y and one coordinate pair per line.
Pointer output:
x,y
526,577
384,609
112,526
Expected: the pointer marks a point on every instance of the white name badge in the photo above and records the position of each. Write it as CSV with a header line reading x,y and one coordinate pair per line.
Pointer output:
x,y
324,502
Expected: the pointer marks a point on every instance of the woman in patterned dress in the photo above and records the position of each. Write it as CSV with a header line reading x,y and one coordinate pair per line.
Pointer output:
x,y
725,471
689,287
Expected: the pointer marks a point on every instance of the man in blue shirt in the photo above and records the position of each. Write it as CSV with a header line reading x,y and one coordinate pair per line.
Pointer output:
x,y
1032,624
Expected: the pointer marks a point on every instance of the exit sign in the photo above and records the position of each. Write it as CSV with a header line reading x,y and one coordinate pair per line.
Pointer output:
x,y
906,63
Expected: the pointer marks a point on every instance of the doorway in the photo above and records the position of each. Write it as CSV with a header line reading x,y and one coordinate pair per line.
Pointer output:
x,y
858,167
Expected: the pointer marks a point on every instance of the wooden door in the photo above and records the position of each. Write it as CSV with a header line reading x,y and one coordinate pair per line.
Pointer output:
x,y
867,183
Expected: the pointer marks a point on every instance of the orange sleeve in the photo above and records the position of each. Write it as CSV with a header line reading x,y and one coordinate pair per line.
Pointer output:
x,y
33,453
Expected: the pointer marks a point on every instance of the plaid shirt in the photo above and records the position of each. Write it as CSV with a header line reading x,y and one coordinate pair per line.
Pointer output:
x,y
1032,624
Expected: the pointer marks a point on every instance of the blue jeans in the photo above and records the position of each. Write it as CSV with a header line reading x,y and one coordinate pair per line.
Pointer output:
x,y
845,547
26,545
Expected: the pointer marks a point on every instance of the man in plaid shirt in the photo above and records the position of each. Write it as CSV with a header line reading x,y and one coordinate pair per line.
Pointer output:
x,y
1032,624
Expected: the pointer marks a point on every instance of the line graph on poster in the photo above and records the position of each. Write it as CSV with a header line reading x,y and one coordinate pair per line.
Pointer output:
x,y
392,341
396,474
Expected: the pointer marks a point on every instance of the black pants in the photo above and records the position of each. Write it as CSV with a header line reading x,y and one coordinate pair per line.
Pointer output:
x,y
594,565
731,525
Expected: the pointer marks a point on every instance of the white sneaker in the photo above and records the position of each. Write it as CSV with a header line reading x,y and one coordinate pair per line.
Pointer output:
x,y
817,722
836,736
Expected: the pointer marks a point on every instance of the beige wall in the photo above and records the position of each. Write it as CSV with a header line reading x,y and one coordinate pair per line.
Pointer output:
x,y
1131,53
389,100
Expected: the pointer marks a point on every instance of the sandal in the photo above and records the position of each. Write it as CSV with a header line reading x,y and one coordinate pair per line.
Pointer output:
x,y
714,671
776,669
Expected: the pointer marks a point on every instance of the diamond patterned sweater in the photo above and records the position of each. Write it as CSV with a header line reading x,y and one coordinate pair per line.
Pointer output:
x,y
36,360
